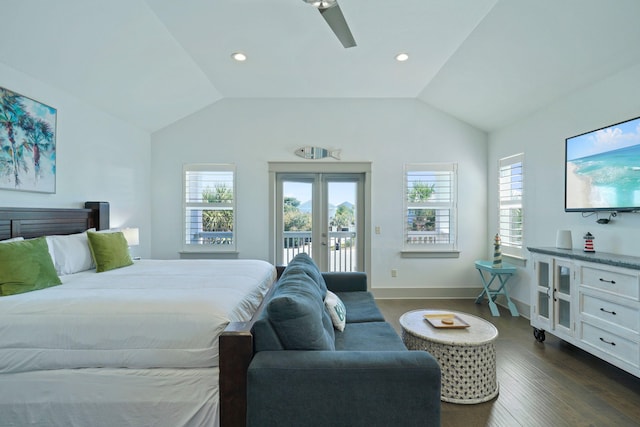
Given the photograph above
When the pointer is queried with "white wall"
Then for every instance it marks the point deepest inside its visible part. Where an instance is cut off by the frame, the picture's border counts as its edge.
(99, 158)
(388, 133)
(541, 137)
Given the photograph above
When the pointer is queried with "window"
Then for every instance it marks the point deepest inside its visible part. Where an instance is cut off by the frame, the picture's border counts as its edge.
(510, 193)
(209, 207)
(430, 207)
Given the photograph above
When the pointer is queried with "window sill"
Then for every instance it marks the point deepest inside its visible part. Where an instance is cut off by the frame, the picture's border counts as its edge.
(191, 251)
(430, 254)
(515, 260)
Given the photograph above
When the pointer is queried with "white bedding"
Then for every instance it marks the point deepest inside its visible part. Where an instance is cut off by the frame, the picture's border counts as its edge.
(153, 314)
(110, 398)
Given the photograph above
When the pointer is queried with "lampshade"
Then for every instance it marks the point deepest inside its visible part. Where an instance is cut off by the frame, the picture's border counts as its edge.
(132, 235)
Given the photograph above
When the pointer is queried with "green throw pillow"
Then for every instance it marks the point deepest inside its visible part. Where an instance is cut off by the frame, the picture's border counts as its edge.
(26, 266)
(109, 250)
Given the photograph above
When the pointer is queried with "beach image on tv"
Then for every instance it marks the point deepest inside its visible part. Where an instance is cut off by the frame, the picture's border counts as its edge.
(603, 168)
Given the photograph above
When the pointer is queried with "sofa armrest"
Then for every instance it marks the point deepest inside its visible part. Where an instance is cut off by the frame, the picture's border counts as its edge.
(345, 281)
(354, 388)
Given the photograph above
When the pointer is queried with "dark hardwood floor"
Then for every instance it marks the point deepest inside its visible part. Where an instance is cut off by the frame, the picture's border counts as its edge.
(550, 384)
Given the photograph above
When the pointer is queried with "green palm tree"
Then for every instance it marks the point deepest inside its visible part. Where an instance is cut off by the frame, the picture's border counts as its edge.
(38, 139)
(344, 217)
(217, 219)
(294, 219)
(11, 112)
(424, 219)
(420, 192)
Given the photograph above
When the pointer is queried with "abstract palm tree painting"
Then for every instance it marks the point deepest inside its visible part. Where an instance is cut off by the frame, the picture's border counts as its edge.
(27, 144)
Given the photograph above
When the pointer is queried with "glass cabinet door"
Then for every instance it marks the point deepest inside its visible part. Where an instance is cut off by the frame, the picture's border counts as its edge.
(552, 297)
(544, 289)
(542, 308)
(562, 295)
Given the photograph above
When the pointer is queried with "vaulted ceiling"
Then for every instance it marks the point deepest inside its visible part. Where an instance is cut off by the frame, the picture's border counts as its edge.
(153, 62)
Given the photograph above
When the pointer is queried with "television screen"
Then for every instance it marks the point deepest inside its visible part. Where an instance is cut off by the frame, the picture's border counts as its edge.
(602, 170)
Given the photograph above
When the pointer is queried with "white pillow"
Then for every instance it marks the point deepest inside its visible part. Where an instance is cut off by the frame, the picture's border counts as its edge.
(337, 310)
(52, 254)
(71, 253)
(13, 239)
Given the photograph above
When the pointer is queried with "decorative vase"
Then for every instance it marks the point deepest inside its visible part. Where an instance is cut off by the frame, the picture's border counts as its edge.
(563, 239)
(497, 255)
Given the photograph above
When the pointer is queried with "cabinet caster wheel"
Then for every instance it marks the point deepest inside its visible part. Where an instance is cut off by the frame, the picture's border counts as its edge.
(538, 334)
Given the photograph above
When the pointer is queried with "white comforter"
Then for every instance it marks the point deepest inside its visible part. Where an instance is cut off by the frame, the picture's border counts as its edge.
(153, 314)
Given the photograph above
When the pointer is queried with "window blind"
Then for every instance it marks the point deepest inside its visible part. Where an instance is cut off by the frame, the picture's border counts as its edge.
(209, 206)
(429, 198)
(510, 192)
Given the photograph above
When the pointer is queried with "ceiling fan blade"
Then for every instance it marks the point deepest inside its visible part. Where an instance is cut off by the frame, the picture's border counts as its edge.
(338, 24)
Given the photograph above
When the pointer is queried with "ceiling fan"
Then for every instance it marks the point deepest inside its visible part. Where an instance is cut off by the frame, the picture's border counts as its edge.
(330, 11)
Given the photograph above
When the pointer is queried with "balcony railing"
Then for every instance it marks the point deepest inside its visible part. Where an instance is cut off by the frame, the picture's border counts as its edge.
(212, 238)
(427, 237)
(342, 248)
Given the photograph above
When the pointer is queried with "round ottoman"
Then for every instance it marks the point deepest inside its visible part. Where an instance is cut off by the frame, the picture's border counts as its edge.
(464, 349)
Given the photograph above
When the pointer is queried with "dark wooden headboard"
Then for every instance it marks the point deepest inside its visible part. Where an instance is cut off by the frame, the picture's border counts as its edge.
(35, 222)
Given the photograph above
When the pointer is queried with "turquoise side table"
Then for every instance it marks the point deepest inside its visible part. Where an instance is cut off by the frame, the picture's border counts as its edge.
(488, 272)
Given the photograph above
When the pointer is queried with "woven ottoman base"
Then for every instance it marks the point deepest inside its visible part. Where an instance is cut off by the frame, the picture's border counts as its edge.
(467, 356)
(468, 372)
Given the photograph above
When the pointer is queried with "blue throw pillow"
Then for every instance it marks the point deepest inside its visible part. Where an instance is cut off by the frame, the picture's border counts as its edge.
(297, 314)
(304, 261)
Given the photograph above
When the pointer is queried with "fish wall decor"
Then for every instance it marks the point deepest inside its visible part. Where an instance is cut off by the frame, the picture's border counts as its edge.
(314, 153)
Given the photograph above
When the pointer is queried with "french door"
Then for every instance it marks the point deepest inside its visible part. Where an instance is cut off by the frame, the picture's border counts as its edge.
(322, 215)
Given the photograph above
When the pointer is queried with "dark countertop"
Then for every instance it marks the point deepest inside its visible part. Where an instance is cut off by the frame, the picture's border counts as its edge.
(597, 257)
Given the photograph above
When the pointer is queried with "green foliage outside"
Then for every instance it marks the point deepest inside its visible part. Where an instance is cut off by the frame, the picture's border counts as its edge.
(420, 192)
(294, 219)
(422, 219)
(344, 217)
(218, 219)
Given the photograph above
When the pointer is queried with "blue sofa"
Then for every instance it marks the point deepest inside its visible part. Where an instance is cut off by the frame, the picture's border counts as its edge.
(306, 373)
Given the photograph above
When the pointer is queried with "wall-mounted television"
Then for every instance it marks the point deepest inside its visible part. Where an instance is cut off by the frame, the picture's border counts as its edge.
(602, 169)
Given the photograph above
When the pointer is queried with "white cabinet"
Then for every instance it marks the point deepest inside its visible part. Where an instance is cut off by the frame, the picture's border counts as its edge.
(552, 308)
(591, 300)
(541, 311)
(610, 314)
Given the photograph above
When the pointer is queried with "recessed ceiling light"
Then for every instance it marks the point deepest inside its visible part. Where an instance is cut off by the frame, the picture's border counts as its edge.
(401, 57)
(239, 56)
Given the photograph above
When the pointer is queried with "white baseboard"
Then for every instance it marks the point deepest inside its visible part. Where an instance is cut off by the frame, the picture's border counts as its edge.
(444, 293)
(425, 293)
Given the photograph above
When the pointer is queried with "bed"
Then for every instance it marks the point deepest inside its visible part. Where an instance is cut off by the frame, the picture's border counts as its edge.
(137, 345)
